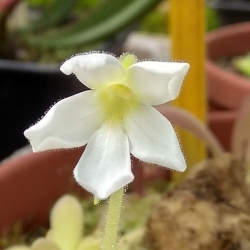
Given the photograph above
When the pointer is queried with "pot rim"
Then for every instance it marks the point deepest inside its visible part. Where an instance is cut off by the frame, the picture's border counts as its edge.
(32, 67)
(228, 31)
(225, 87)
(233, 5)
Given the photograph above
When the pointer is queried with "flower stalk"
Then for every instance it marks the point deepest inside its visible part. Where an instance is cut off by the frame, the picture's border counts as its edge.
(112, 220)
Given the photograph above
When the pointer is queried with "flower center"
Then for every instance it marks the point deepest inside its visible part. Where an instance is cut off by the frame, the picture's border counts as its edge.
(121, 91)
(116, 100)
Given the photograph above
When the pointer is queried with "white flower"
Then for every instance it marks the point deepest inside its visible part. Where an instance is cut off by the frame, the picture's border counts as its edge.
(115, 118)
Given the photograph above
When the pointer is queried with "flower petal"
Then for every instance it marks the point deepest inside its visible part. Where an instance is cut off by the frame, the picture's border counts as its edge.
(156, 82)
(42, 244)
(152, 139)
(105, 165)
(94, 69)
(68, 124)
(66, 221)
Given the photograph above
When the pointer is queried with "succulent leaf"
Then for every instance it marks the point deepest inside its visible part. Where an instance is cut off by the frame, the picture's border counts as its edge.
(110, 17)
(66, 220)
(52, 16)
(44, 244)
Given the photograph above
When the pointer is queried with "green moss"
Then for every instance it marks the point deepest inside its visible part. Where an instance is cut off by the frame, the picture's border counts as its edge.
(17, 236)
(92, 217)
(136, 211)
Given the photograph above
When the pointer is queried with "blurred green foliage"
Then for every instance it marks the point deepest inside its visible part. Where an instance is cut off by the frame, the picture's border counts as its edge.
(212, 19)
(84, 4)
(242, 64)
(156, 21)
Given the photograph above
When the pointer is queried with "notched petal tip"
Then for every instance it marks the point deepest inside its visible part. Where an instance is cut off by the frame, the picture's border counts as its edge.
(152, 139)
(67, 68)
(155, 83)
(26, 133)
(179, 71)
(181, 167)
(94, 69)
(106, 188)
(184, 66)
(68, 124)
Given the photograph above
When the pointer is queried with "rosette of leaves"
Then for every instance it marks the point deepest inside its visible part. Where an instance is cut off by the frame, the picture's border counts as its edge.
(54, 30)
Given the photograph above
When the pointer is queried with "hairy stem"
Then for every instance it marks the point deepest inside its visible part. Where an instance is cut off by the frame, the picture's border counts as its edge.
(112, 220)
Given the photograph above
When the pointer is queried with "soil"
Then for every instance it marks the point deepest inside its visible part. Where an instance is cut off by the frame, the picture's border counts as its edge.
(208, 211)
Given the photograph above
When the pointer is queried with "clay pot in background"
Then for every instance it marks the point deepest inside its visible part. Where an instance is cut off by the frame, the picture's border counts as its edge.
(31, 183)
(227, 88)
(221, 122)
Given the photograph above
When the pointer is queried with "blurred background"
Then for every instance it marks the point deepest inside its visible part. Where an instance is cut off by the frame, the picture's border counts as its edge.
(208, 210)
(36, 36)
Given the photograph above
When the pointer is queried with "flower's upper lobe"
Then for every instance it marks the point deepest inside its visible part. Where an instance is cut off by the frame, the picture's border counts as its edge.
(115, 118)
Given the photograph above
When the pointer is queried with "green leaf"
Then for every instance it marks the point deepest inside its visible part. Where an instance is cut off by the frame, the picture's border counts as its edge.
(67, 221)
(18, 248)
(44, 244)
(110, 17)
(57, 12)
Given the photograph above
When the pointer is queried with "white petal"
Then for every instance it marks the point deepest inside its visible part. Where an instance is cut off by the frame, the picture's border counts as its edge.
(105, 164)
(152, 139)
(66, 220)
(69, 123)
(94, 69)
(156, 82)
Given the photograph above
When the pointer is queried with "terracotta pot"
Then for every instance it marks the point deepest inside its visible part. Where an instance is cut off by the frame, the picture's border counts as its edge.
(221, 123)
(225, 87)
(30, 184)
